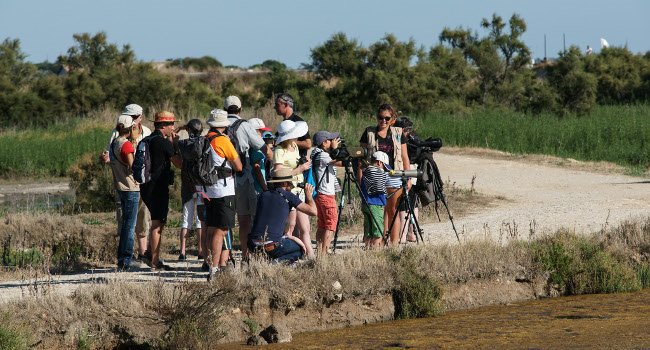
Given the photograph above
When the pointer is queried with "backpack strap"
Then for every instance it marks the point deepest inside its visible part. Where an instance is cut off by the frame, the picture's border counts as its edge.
(326, 173)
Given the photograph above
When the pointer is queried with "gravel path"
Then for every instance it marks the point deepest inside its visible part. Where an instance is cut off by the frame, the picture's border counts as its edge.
(540, 198)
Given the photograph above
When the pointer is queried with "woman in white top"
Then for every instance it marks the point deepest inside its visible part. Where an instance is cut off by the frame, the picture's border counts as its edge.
(286, 154)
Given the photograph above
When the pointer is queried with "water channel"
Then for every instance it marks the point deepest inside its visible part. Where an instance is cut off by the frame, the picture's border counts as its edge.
(606, 321)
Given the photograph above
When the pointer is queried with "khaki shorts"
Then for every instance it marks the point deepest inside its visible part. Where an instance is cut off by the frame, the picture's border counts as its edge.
(246, 199)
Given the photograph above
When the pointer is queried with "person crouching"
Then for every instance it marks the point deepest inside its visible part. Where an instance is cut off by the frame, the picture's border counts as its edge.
(273, 208)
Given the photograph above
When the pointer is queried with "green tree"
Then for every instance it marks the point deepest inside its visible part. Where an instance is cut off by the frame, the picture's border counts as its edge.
(619, 73)
(499, 58)
(576, 88)
(94, 52)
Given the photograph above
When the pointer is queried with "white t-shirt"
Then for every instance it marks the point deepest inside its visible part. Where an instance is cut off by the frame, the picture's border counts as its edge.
(324, 173)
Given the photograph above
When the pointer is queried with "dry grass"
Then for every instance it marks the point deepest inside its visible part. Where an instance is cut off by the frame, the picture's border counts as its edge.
(189, 314)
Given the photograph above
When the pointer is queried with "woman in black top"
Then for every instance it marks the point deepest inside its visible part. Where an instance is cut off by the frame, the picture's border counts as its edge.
(387, 138)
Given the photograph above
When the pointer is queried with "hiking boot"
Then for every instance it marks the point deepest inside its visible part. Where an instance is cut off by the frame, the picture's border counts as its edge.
(182, 257)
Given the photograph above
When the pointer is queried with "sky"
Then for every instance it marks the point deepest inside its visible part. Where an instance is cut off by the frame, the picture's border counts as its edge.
(247, 32)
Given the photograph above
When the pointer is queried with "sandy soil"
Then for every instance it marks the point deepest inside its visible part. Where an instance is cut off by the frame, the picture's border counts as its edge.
(542, 194)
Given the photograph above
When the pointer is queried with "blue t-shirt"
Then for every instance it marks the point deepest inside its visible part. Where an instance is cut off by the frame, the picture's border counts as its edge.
(273, 208)
(257, 157)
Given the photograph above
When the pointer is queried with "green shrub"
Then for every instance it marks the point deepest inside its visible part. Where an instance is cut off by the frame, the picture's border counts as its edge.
(416, 294)
(22, 258)
(580, 265)
(643, 274)
(12, 339)
(92, 183)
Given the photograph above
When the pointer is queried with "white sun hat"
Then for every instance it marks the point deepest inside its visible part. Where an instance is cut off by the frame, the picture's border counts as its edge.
(289, 129)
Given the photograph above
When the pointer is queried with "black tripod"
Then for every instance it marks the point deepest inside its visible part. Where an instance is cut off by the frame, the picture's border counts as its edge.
(410, 214)
(347, 180)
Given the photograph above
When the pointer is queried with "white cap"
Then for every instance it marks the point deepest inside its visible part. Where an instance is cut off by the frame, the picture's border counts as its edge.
(258, 124)
(231, 101)
(132, 109)
(125, 120)
(381, 156)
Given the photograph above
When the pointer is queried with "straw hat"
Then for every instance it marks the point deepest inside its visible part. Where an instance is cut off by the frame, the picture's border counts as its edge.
(281, 175)
(164, 116)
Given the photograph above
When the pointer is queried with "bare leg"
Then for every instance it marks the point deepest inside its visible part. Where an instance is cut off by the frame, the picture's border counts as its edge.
(244, 229)
(215, 237)
(304, 228)
(389, 213)
(291, 223)
(142, 244)
(156, 234)
(223, 259)
(324, 238)
(201, 240)
(183, 238)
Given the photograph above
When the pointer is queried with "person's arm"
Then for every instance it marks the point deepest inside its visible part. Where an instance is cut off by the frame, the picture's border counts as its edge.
(299, 242)
(177, 160)
(236, 164)
(301, 168)
(304, 144)
(257, 170)
(255, 141)
(308, 206)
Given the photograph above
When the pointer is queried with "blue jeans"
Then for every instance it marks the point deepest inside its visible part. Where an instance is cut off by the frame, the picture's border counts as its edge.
(287, 251)
(129, 204)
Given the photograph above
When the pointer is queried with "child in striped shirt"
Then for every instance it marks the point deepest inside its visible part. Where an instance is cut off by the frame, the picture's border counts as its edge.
(373, 188)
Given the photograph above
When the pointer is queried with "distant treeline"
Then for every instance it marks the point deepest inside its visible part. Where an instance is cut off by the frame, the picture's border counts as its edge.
(463, 72)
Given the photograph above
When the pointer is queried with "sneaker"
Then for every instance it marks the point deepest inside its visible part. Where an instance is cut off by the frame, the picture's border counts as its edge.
(162, 266)
(205, 267)
(182, 257)
(213, 272)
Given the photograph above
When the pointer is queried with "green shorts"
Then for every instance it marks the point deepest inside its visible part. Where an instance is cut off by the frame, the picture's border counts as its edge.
(373, 221)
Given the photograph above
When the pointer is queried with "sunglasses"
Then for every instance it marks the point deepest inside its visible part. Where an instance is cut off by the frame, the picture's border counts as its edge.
(384, 118)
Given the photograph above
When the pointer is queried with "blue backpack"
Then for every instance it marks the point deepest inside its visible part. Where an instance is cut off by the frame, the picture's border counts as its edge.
(142, 161)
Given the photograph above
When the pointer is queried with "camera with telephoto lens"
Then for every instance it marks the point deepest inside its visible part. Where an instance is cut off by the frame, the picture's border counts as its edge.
(342, 152)
(405, 173)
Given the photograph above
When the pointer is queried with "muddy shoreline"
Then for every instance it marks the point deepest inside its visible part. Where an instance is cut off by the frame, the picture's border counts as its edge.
(349, 312)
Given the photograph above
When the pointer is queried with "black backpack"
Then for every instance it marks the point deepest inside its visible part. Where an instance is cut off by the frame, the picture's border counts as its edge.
(198, 164)
(231, 131)
(142, 161)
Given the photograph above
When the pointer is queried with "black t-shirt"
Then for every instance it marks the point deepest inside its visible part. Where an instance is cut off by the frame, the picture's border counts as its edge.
(295, 118)
(161, 151)
(384, 144)
(273, 208)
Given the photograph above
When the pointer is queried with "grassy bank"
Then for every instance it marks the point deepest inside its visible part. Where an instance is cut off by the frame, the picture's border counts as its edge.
(194, 315)
(617, 134)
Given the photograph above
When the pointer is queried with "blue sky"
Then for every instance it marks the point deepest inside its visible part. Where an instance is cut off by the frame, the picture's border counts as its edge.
(246, 32)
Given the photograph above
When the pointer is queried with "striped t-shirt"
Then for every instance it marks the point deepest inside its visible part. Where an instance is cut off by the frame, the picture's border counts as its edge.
(375, 180)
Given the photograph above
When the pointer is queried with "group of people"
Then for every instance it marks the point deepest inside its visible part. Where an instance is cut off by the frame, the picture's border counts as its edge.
(270, 183)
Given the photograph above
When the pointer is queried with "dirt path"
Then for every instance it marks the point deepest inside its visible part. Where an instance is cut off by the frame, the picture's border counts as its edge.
(540, 198)
(537, 197)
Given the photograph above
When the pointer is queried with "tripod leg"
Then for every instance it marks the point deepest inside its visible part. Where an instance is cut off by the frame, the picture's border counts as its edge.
(346, 185)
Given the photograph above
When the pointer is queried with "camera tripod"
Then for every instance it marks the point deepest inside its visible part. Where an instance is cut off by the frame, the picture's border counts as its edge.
(347, 181)
(410, 215)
